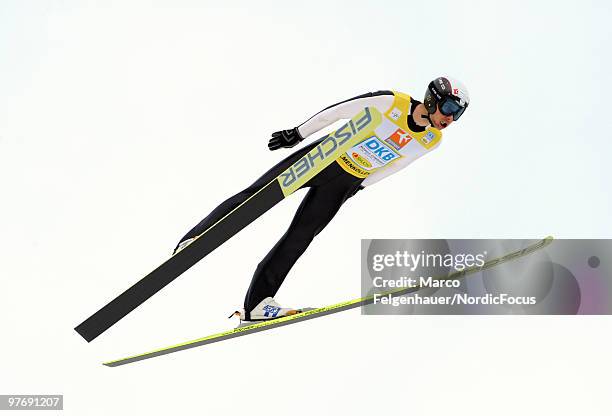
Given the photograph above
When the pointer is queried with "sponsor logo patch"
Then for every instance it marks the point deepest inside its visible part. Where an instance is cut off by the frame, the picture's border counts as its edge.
(360, 160)
(395, 114)
(377, 150)
(398, 139)
(428, 137)
(348, 165)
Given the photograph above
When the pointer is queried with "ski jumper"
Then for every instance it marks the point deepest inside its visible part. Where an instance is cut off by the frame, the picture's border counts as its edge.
(398, 143)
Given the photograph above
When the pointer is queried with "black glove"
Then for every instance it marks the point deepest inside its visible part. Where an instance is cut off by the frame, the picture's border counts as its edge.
(285, 138)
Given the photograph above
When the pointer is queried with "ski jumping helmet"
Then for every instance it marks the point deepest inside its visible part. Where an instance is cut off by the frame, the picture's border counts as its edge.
(447, 94)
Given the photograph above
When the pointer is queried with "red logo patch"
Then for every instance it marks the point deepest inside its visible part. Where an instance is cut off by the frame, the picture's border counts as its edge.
(400, 138)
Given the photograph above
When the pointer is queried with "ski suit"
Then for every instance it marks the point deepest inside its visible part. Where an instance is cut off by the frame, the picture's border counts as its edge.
(329, 189)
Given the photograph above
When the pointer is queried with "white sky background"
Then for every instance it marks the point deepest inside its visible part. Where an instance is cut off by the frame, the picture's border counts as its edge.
(123, 123)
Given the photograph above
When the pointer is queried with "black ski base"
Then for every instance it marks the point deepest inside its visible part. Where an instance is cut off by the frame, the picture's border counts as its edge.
(176, 265)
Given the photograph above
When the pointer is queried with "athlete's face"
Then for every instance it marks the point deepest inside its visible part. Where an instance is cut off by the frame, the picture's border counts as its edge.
(440, 121)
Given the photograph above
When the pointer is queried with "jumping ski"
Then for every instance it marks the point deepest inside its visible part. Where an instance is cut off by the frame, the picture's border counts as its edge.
(330, 148)
(317, 313)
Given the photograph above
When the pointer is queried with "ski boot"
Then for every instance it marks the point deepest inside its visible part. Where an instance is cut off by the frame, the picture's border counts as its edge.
(267, 310)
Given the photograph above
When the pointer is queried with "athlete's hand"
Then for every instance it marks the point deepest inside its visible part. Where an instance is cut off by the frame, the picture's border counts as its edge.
(285, 138)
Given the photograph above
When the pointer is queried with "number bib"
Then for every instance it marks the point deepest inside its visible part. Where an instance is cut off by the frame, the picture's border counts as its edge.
(391, 140)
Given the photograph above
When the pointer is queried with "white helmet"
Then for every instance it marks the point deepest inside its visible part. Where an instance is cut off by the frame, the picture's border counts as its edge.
(448, 95)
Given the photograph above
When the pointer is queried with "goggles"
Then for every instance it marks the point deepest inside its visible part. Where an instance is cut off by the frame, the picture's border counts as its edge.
(450, 107)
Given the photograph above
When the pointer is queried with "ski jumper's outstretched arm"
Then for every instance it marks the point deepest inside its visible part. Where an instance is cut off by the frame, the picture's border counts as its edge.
(346, 109)
(381, 100)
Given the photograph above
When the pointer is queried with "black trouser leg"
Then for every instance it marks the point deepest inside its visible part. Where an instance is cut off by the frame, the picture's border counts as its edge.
(329, 190)
(231, 203)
